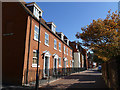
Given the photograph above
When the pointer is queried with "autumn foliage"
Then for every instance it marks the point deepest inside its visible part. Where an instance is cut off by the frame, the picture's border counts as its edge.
(102, 36)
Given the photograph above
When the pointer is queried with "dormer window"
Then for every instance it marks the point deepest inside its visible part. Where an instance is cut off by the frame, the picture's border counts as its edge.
(53, 29)
(35, 9)
(52, 26)
(36, 12)
(61, 35)
(67, 41)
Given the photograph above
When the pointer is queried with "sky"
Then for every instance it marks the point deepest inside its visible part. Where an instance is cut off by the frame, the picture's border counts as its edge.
(70, 17)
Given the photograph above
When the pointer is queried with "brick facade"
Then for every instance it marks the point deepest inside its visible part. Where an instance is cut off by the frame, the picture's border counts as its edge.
(19, 44)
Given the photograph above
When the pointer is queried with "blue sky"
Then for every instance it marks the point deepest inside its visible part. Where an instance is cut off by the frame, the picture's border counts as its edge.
(69, 17)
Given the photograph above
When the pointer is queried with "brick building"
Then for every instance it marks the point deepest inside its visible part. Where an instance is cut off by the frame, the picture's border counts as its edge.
(24, 32)
(91, 63)
(21, 25)
(79, 55)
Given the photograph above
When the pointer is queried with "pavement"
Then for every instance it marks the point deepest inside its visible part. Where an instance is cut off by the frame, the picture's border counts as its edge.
(89, 79)
(85, 80)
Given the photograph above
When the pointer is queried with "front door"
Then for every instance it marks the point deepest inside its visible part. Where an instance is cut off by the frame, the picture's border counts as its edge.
(55, 66)
(46, 65)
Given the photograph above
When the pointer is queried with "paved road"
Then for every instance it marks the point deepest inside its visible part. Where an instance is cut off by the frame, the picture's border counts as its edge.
(85, 79)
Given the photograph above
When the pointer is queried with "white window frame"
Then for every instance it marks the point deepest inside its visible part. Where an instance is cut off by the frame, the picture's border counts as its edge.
(36, 33)
(53, 29)
(36, 12)
(59, 46)
(67, 51)
(54, 44)
(33, 64)
(47, 44)
(64, 49)
(59, 60)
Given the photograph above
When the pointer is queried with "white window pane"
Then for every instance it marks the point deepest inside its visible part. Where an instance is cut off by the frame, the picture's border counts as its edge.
(55, 43)
(46, 38)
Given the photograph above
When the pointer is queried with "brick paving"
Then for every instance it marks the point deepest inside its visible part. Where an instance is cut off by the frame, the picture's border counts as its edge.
(85, 79)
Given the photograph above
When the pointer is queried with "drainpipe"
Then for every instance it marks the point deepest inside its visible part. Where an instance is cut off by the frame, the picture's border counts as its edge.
(28, 51)
(37, 76)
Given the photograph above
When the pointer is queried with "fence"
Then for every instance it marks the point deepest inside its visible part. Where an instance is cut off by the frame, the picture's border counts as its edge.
(111, 73)
(47, 75)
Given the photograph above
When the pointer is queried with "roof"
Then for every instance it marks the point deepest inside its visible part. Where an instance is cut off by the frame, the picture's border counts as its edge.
(33, 4)
(43, 22)
(80, 49)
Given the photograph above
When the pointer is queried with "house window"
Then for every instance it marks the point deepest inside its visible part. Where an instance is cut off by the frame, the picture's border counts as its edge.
(34, 57)
(36, 32)
(55, 44)
(36, 12)
(59, 61)
(64, 49)
(59, 46)
(53, 28)
(70, 53)
(46, 39)
(67, 51)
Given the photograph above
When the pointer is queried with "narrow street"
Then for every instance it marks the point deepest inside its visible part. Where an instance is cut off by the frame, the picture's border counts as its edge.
(85, 79)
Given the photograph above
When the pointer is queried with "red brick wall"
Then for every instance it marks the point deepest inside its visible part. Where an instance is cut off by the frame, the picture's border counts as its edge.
(43, 47)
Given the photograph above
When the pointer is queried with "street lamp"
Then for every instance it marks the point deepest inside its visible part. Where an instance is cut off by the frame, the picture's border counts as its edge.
(37, 77)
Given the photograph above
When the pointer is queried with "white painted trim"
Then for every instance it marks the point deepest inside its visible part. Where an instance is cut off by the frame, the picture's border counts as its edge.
(52, 24)
(34, 50)
(35, 65)
(48, 62)
(36, 40)
(65, 59)
(55, 48)
(55, 56)
(64, 50)
(59, 50)
(56, 44)
(35, 57)
(47, 44)
(59, 46)
(60, 66)
(38, 8)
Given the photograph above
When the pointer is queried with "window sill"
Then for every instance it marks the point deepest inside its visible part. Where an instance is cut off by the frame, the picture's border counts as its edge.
(35, 65)
(60, 66)
(47, 45)
(55, 48)
(36, 40)
(59, 50)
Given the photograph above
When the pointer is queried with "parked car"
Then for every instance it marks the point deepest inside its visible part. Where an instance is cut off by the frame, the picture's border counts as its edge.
(99, 68)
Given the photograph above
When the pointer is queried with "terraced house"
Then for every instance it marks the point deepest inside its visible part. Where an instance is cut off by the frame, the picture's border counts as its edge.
(29, 42)
(24, 33)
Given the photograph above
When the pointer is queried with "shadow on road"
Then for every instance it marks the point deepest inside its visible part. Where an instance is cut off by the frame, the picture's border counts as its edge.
(88, 79)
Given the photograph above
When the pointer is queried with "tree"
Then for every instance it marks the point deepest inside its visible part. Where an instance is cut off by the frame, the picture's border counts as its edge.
(102, 36)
